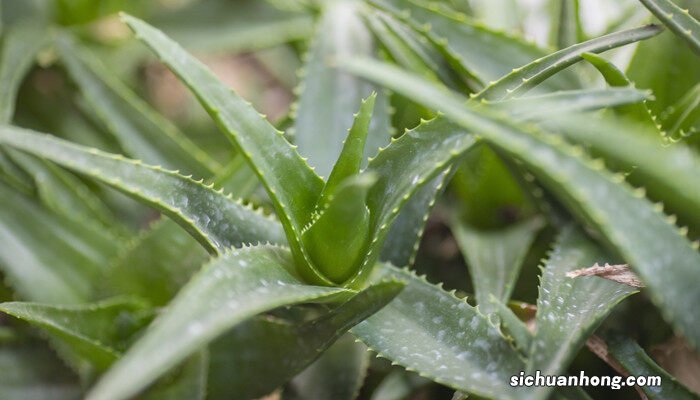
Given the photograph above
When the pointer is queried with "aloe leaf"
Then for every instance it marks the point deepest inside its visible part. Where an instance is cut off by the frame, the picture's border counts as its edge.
(338, 253)
(139, 129)
(528, 76)
(656, 249)
(65, 194)
(512, 326)
(95, 333)
(270, 350)
(669, 81)
(321, 117)
(569, 309)
(293, 187)
(479, 52)
(337, 375)
(233, 288)
(31, 371)
(626, 353)
(211, 217)
(683, 117)
(20, 44)
(439, 336)
(397, 386)
(495, 257)
(676, 19)
(223, 27)
(570, 101)
(64, 267)
(402, 168)
(403, 238)
(352, 154)
(669, 173)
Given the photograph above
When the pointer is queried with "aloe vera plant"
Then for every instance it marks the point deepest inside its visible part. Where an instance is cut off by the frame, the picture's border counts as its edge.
(195, 248)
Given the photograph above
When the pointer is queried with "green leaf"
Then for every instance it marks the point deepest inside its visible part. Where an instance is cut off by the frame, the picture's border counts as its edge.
(139, 129)
(669, 173)
(327, 93)
(479, 52)
(678, 20)
(339, 253)
(402, 168)
(47, 257)
(668, 80)
(31, 371)
(293, 187)
(397, 386)
(270, 349)
(495, 257)
(222, 26)
(569, 309)
(20, 44)
(439, 336)
(567, 29)
(211, 217)
(93, 333)
(237, 286)
(528, 76)
(628, 354)
(570, 101)
(351, 156)
(683, 117)
(631, 225)
(337, 375)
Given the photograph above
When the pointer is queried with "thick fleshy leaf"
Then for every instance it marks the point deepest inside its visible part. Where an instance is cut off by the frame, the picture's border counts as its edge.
(676, 19)
(31, 371)
(569, 309)
(93, 333)
(214, 219)
(655, 248)
(567, 29)
(439, 336)
(683, 117)
(271, 351)
(237, 286)
(478, 51)
(293, 187)
(20, 44)
(528, 76)
(625, 352)
(541, 107)
(669, 173)
(188, 381)
(398, 385)
(402, 168)
(668, 80)
(495, 257)
(47, 257)
(337, 375)
(140, 130)
(321, 116)
(232, 27)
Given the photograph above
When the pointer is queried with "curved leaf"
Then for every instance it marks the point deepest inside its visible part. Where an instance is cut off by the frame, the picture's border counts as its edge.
(528, 76)
(676, 19)
(569, 309)
(140, 130)
(293, 187)
(655, 248)
(270, 349)
(213, 218)
(233, 288)
(327, 93)
(495, 257)
(432, 332)
(96, 333)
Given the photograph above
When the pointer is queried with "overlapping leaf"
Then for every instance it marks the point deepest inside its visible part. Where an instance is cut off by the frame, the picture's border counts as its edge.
(214, 219)
(655, 248)
(678, 20)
